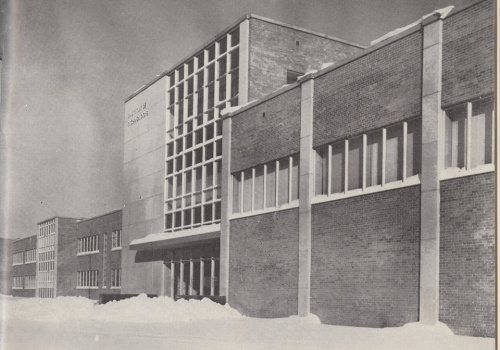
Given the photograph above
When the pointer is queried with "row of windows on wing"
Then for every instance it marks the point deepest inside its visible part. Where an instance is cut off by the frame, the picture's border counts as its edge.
(90, 278)
(90, 244)
(26, 257)
(381, 157)
(24, 282)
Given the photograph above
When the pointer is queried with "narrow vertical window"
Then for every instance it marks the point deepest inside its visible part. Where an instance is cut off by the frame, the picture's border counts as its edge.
(271, 185)
(394, 154)
(337, 168)
(482, 133)
(321, 184)
(413, 147)
(456, 137)
(283, 181)
(374, 159)
(355, 157)
(259, 188)
(247, 190)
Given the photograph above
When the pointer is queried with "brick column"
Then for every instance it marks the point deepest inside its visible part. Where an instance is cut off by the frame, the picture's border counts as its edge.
(431, 164)
(226, 196)
(306, 189)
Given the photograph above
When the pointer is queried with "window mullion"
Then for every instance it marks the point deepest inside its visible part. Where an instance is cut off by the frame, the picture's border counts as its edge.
(290, 165)
(384, 141)
(363, 169)
(346, 166)
(329, 171)
(277, 183)
(405, 148)
(468, 142)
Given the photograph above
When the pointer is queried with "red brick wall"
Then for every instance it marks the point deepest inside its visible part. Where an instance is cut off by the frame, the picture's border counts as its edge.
(257, 139)
(263, 264)
(376, 90)
(467, 255)
(68, 263)
(22, 245)
(274, 49)
(365, 259)
(468, 53)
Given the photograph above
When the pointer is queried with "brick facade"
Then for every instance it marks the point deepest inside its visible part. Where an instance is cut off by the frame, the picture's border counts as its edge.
(18, 246)
(365, 259)
(467, 255)
(263, 264)
(270, 130)
(370, 92)
(68, 263)
(468, 54)
(274, 49)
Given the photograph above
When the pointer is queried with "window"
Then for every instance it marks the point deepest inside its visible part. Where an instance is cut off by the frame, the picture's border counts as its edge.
(469, 134)
(30, 256)
(88, 245)
(87, 279)
(116, 278)
(29, 282)
(373, 159)
(270, 185)
(292, 76)
(17, 258)
(17, 283)
(116, 239)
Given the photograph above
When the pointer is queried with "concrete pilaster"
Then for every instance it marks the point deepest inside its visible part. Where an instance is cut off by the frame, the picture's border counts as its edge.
(243, 63)
(431, 164)
(306, 190)
(226, 200)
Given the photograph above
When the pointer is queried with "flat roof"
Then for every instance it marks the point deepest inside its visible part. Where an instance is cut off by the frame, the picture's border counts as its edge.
(224, 32)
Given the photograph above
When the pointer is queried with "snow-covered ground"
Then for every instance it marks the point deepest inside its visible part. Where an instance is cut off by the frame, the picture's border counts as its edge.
(161, 323)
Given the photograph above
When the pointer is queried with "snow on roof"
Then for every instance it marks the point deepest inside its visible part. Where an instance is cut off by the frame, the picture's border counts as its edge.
(441, 12)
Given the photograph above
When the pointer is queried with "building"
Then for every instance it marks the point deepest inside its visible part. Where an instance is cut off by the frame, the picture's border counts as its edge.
(362, 193)
(173, 164)
(23, 272)
(69, 257)
(5, 265)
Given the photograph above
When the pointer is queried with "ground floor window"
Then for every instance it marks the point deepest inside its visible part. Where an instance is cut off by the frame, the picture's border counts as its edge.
(87, 279)
(116, 278)
(29, 282)
(194, 271)
(17, 283)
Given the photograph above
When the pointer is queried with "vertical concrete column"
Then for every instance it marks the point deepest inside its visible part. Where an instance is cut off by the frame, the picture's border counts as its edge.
(226, 195)
(306, 189)
(431, 164)
(243, 63)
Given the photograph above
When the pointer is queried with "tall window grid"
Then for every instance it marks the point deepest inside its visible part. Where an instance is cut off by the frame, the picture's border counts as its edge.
(116, 239)
(30, 256)
(87, 279)
(469, 138)
(89, 244)
(377, 158)
(269, 185)
(116, 278)
(17, 258)
(198, 90)
(46, 259)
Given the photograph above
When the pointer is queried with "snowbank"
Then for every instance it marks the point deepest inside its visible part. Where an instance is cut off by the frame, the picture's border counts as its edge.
(140, 309)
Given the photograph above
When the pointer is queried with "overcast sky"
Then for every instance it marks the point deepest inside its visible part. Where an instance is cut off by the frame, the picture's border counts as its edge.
(68, 65)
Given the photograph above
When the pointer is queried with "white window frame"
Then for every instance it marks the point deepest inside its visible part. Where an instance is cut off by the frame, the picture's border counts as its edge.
(116, 240)
(17, 282)
(467, 170)
(30, 256)
(405, 181)
(29, 282)
(87, 279)
(18, 258)
(116, 278)
(88, 245)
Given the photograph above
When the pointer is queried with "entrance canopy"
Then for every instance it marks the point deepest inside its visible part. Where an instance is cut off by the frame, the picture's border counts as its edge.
(176, 239)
